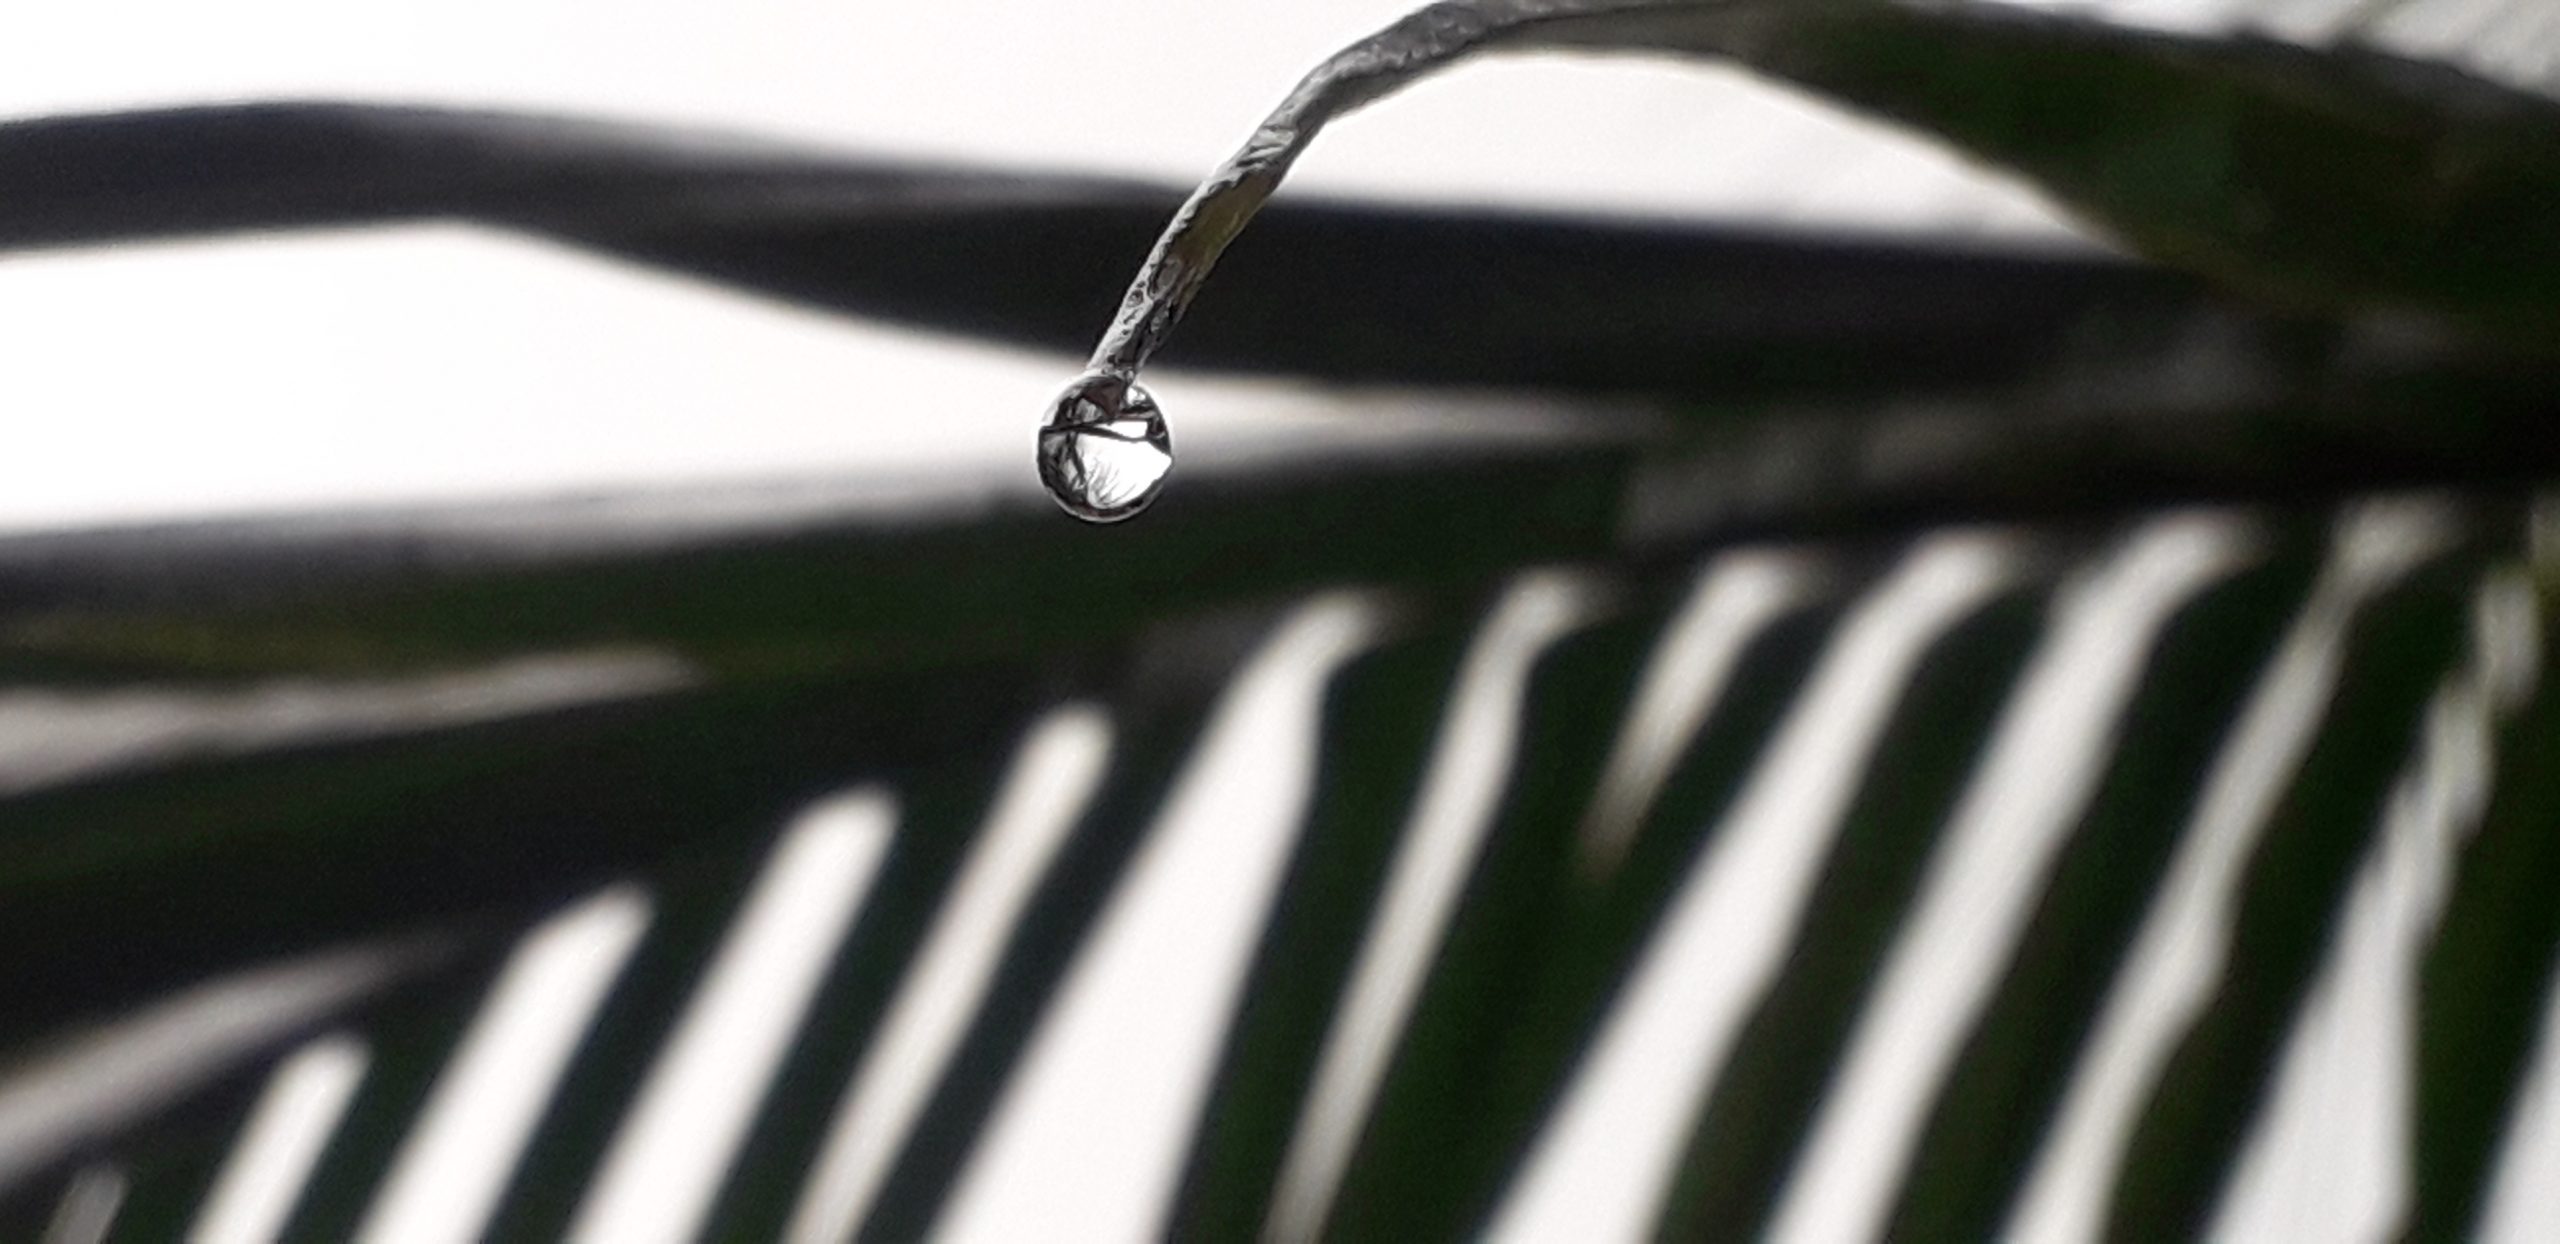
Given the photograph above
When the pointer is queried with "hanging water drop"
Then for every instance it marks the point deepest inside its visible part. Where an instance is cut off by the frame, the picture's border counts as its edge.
(1105, 452)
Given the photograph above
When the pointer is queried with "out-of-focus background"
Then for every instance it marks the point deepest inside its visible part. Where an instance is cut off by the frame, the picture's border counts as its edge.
(440, 362)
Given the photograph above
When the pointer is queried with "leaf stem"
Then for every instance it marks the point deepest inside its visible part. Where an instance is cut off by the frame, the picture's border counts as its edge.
(1421, 42)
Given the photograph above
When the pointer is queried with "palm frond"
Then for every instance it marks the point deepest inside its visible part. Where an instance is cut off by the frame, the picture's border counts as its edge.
(2003, 743)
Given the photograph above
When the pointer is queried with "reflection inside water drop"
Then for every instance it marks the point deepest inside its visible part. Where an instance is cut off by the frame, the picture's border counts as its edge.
(1104, 452)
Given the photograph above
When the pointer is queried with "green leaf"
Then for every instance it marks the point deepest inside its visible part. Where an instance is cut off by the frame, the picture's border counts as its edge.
(2343, 181)
(797, 656)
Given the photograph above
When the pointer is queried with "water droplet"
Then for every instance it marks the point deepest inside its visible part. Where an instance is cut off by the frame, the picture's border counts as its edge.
(1104, 452)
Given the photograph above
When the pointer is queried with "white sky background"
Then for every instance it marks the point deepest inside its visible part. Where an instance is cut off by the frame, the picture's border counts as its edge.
(442, 362)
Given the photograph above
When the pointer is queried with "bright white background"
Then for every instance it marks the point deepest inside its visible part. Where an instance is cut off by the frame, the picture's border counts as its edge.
(439, 363)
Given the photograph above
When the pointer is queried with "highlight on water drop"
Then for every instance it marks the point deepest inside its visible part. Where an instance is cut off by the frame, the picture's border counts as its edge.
(1105, 450)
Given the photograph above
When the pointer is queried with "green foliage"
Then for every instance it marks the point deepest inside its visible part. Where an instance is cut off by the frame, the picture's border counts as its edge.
(2325, 184)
